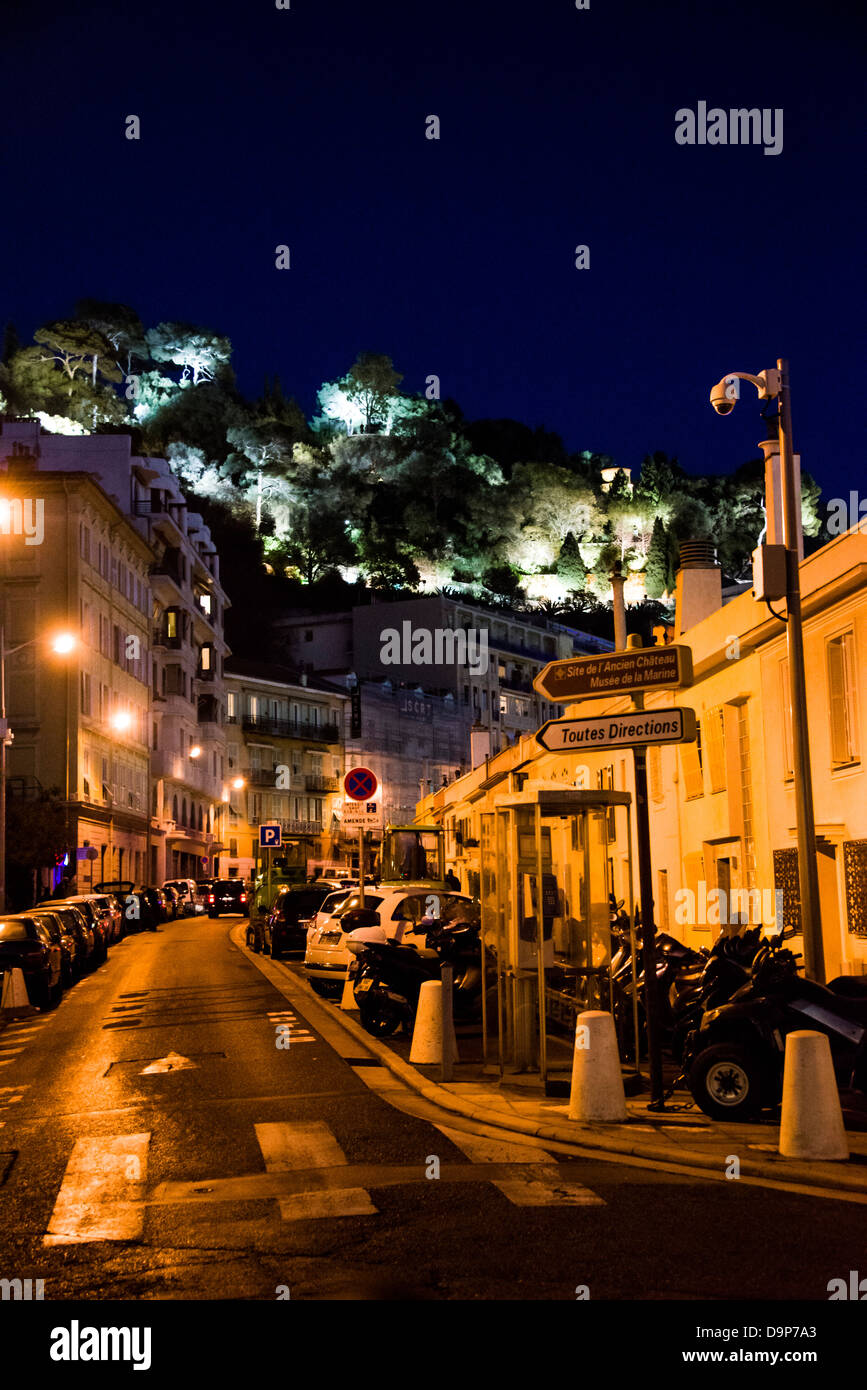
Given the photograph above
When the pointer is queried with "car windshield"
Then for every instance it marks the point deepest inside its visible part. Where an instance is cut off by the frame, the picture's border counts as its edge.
(333, 901)
(354, 901)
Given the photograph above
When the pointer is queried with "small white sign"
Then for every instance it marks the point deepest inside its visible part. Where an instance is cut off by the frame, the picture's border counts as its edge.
(362, 815)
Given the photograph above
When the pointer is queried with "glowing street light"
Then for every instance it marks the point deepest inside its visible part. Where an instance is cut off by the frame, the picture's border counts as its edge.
(64, 643)
(195, 751)
(121, 720)
(238, 783)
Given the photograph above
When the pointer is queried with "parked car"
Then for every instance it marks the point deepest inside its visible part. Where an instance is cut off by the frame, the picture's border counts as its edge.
(58, 928)
(173, 901)
(228, 895)
(107, 902)
(285, 927)
(26, 945)
(76, 923)
(190, 899)
(401, 916)
(329, 909)
(98, 920)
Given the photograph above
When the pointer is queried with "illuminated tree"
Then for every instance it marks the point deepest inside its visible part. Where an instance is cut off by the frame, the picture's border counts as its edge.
(570, 564)
(366, 398)
(658, 578)
(119, 325)
(198, 350)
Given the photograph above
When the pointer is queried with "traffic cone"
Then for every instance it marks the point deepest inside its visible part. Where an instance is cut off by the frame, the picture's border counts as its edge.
(14, 997)
(811, 1123)
(597, 1093)
(427, 1034)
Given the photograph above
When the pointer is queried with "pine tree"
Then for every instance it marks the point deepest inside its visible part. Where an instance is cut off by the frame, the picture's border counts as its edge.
(570, 565)
(656, 573)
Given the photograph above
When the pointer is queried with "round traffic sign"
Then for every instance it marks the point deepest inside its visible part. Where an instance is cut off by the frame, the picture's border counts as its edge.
(360, 784)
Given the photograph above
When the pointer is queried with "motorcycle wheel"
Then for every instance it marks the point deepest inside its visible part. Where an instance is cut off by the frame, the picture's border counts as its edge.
(727, 1083)
(379, 1020)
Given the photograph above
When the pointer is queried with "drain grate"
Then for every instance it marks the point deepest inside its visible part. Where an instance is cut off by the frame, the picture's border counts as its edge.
(363, 1061)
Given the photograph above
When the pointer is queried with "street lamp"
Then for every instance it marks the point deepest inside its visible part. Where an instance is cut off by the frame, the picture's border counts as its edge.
(774, 384)
(62, 644)
(195, 751)
(121, 720)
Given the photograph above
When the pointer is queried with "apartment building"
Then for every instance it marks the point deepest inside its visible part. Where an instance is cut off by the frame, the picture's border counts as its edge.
(722, 809)
(79, 720)
(484, 660)
(284, 763)
(183, 641)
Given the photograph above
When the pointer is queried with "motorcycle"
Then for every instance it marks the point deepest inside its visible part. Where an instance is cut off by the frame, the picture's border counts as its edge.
(733, 1060)
(389, 976)
(726, 969)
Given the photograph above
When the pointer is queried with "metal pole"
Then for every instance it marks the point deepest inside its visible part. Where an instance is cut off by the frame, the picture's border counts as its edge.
(361, 866)
(808, 874)
(447, 1061)
(2, 768)
(648, 930)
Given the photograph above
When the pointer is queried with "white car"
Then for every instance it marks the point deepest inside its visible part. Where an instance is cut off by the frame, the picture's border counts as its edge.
(189, 902)
(329, 909)
(401, 913)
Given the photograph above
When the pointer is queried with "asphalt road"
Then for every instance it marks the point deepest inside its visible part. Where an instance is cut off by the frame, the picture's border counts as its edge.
(236, 1167)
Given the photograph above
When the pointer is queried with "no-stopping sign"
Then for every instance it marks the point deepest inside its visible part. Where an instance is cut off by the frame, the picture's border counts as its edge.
(360, 784)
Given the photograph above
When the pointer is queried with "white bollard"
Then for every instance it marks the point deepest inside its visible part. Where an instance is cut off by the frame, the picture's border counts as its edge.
(427, 1035)
(811, 1123)
(597, 1082)
(347, 998)
(14, 994)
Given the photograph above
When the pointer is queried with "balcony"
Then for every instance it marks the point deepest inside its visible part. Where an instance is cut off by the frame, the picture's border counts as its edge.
(290, 827)
(287, 728)
(260, 776)
(161, 638)
(315, 783)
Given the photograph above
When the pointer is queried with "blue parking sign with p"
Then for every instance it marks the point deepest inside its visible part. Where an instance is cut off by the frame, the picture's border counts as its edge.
(269, 836)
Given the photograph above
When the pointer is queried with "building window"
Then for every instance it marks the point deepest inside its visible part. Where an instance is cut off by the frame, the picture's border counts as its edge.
(84, 542)
(786, 706)
(716, 749)
(231, 706)
(85, 693)
(654, 772)
(692, 776)
(308, 634)
(841, 699)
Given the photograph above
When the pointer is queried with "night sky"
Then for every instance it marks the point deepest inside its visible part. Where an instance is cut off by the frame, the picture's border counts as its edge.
(456, 257)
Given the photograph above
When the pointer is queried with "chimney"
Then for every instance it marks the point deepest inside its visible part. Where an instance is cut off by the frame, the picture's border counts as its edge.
(698, 590)
(480, 744)
(776, 533)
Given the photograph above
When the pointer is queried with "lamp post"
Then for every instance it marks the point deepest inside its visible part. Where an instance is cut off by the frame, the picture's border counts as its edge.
(62, 645)
(774, 384)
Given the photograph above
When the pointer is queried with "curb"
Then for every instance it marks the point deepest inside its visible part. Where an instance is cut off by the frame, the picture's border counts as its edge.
(783, 1171)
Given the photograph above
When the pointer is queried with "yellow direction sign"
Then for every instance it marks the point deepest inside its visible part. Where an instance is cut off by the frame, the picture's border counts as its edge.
(615, 673)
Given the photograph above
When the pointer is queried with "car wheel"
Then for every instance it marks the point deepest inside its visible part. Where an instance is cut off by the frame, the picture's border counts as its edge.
(319, 987)
(728, 1083)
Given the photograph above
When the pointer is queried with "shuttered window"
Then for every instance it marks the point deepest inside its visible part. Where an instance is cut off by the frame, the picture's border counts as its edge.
(714, 740)
(841, 698)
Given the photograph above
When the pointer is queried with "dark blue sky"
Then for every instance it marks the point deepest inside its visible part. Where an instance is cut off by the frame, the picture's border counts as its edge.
(456, 257)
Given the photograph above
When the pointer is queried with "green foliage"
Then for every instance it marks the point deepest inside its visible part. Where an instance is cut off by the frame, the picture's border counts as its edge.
(657, 576)
(570, 565)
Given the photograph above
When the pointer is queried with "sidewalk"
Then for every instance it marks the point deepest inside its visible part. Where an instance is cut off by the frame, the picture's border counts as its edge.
(681, 1135)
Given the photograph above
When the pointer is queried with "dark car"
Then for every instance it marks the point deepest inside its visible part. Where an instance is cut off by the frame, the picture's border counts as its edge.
(99, 922)
(76, 923)
(228, 895)
(71, 949)
(26, 945)
(286, 927)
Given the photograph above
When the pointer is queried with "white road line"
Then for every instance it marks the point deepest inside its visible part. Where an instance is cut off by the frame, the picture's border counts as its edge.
(10, 1051)
(101, 1196)
(539, 1185)
(286, 1146)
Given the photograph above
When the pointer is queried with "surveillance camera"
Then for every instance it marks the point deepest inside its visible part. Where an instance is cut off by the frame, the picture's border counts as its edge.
(725, 394)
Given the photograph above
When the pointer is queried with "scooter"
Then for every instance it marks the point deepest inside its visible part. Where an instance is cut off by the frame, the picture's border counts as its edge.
(733, 1060)
(390, 975)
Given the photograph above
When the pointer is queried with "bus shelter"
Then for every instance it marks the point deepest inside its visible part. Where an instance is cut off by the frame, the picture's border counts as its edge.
(549, 859)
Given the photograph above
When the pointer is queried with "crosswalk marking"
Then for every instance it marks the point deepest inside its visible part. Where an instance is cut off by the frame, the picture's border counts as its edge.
(286, 1146)
(539, 1182)
(298, 1032)
(101, 1195)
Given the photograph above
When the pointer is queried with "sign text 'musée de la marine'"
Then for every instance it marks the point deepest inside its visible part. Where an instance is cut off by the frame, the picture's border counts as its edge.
(642, 668)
